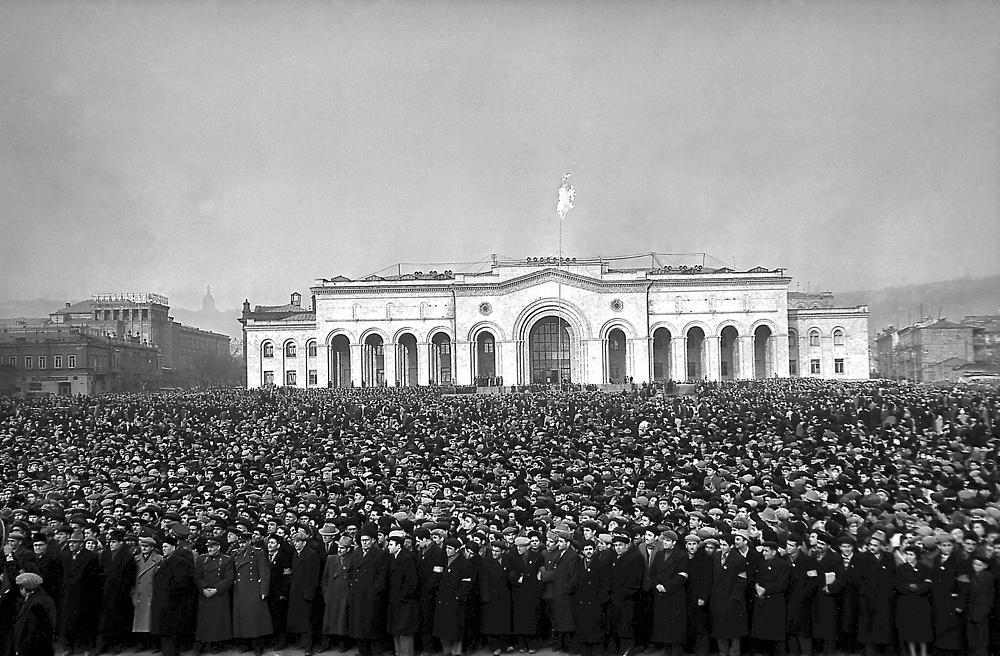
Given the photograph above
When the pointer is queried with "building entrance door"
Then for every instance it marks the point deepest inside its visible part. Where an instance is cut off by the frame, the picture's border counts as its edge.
(549, 351)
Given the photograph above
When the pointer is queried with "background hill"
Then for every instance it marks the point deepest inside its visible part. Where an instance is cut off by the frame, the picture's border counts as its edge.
(901, 306)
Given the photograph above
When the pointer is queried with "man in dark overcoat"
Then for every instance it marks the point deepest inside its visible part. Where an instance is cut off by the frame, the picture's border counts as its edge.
(173, 609)
(81, 595)
(251, 618)
(303, 585)
(16, 559)
(118, 565)
(876, 602)
(770, 590)
(336, 587)
(668, 578)
(727, 605)
(369, 575)
(457, 583)
(982, 596)
(523, 568)
(279, 563)
(590, 600)
(627, 572)
(949, 589)
(494, 593)
(214, 575)
(403, 617)
(49, 562)
(562, 571)
(832, 577)
(35, 623)
(431, 561)
(803, 582)
(699, 587)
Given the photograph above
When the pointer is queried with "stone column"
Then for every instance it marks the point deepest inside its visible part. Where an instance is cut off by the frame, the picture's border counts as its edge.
(642, 351)
(389, 362)
(461, 367)
(357, 372)
(713, 357)
(423, 363)
(678, 358)
(746, 356)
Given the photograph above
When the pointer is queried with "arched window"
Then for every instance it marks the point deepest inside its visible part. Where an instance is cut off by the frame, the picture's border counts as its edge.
(793, 340)
(311, 349)
(268, 350)
(813, 337)
(290, 350)
(838, 337)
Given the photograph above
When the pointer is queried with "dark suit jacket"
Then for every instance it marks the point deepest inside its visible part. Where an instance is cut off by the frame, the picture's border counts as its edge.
(35, 626)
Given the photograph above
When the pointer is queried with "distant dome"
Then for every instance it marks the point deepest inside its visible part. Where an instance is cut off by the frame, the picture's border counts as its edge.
(208, 303)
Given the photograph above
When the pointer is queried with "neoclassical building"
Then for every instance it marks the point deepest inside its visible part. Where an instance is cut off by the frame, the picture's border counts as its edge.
(545, 319)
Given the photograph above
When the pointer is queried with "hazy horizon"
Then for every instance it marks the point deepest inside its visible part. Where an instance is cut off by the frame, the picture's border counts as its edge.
(256, 146)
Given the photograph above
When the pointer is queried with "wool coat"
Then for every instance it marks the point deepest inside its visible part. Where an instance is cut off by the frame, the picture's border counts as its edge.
(81, 595)
(699, 588)
(430, 566)
(336, 587)
(727, 606)
(914, 615)
(832, 579)
(590, 600)
(803, 582)
(174, 608)
(403, 617)
(627, 572)
(457, 582)
(877, 600)
(562, 571)
(368, 575)
(252, 585)
(525, 590)
(948, 597)
(35, 626)
(142, 591)
(119, 579)
(669, 570)
(280, 565)
(494, 593)
(215, 616)
(769, 607)
(303, 584)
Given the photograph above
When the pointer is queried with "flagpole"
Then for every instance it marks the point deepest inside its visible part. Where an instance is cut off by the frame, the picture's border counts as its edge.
(565, 204)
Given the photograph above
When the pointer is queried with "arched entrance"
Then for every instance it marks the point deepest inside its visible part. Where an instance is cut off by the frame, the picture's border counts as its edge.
(762, 356)
(615, 353)
(340, 361)
(729, 357)
(549, 351)
(695, 353)
(661, 354)
(486, 359)
(441, 359)
(406, 360)
(372, 362)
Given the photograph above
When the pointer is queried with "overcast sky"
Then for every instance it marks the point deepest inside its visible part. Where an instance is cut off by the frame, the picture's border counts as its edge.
(255, 146)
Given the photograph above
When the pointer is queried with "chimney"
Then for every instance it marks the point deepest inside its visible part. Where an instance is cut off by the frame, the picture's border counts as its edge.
(68, 304)
(296, 299)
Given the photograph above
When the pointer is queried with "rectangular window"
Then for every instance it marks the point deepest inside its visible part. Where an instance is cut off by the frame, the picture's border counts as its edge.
(838, 366)
(487, 347)
(29, 362)
(793, 367)
(114, 315)
(107, 315)
(289, 378)
(312, 351)
(145, 314)
(12, 361)
(814, 366)
(57, 361)
(269, 378)
(42, 362)
(97, 315)
(71, 362)
(313, 378)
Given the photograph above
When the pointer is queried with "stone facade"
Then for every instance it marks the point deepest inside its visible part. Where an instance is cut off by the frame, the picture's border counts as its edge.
(544, 320)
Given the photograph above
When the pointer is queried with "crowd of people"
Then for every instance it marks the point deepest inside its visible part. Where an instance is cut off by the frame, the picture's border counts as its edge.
(753, 517)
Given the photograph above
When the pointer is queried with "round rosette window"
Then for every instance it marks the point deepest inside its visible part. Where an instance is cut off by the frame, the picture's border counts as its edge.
(617, 305)
(485, 308)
